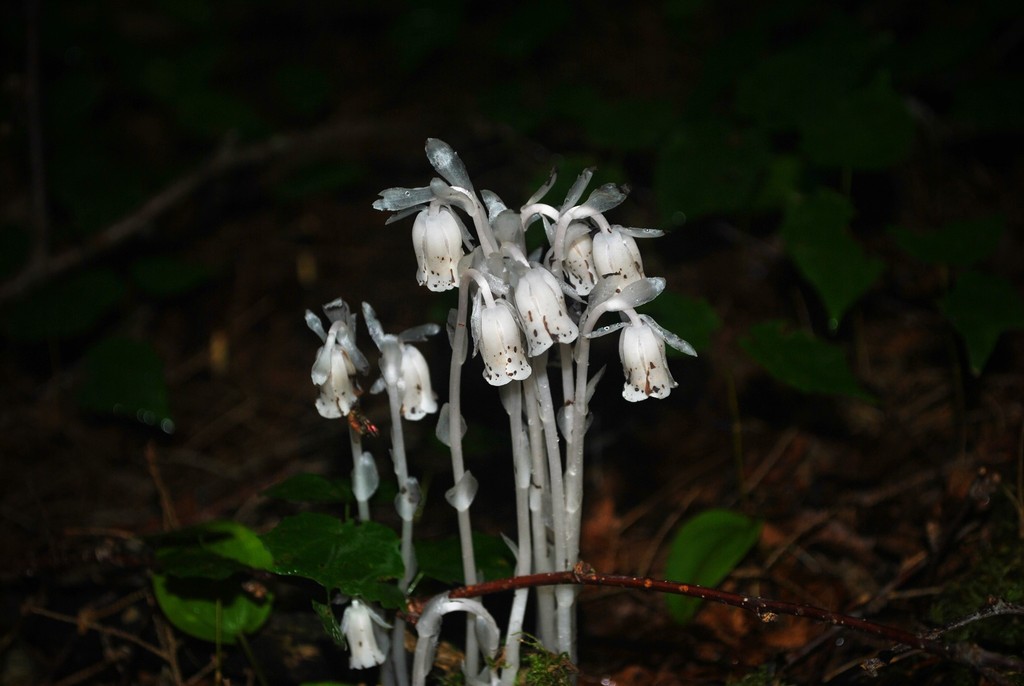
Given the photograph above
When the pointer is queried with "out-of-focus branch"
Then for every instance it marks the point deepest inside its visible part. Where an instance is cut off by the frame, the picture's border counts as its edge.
(229, 158)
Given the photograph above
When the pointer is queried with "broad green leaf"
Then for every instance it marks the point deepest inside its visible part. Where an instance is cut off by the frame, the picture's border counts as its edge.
(442, 559)
(692, 319)
(709, 168)
(66, 308)
(311, 488)
(960, 243)
(126, 377)
(214, 550)
(197, 565)
(982, 307)
(167, 276)
(704, 551)
(331, 626)
(781, 183)
(191, 606)
(866, 128)
(356, 558)
(802, 361)
(814, 231)
(783, 89)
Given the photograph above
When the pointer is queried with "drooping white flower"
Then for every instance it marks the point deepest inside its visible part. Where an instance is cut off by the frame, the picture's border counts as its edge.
(616, 254)
(358, 625)
(403, 367)
(644, 363)
(437, 241)
(579, 258)
(541, 306)
(500, 342)
(333, 371)
(418, 397)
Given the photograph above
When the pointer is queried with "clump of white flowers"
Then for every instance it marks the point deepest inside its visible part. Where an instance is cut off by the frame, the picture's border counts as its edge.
(529, 315)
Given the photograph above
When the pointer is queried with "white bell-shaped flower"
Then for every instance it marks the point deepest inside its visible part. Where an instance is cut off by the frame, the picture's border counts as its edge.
(333, 372)
(359, 626)
(541, 306)
(500, 343)
(418, 398)
(437, 240)
(579, 258)
(616, 254)
(644, 363)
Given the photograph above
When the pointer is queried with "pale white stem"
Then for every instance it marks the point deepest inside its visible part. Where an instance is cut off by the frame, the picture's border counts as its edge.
(459, 345)
(539, 491)
(355, 441)
(521, 460)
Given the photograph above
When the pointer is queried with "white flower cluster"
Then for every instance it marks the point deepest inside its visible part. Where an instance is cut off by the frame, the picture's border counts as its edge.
(523, 304)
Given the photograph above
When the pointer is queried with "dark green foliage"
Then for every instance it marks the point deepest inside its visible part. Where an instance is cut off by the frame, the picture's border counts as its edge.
(704, 550)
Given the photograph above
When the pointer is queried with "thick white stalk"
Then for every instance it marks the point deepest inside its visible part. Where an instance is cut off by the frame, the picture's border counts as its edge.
(539, 492)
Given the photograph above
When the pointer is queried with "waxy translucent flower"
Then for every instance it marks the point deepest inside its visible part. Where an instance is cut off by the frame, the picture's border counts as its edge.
(403, 367)
(418, 397)
(437, 240)
(616, 254)
(334, 369)
(542, 309)
(579, 258)
(500, 342)
(359, 626)
(642, 351)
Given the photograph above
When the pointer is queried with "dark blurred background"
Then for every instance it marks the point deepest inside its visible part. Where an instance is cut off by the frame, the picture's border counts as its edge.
(180, 180)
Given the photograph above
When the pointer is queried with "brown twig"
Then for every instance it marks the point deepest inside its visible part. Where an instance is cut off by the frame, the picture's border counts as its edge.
(766, 610)
(94, 626)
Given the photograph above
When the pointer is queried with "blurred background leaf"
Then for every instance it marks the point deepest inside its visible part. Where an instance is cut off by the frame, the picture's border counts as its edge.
(982, 307)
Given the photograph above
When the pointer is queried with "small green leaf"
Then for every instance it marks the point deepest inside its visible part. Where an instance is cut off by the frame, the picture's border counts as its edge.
(197, 565)
(330, 623)
(982, 307)
(191, 606)
(126, 377)
(441, 559)
(709, 168)
(866, 128)
(802, 361)
(214, 550)
(816, 238)
(355, 558)
(692, 319)
(66, 308)
(705, 549)
(311, 488)
(959, 244)
(166, 276)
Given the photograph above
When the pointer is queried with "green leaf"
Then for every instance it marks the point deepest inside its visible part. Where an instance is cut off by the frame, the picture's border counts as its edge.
(311, 488)
(802, 361)
(66, 308)
(815, 234)
(705, 549)
(330, 623)
(709, 168)
(191, 606)
(355, 558)
(441, 559)
(126, 377)
(166, 276)
(959, 244)
(866, 128)
(197, 566)
(982, 307)
(214, 550)
(692, 319)
(783, 89)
